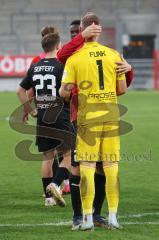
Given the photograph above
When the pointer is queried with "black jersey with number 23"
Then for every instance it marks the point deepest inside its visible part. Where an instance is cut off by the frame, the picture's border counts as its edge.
(45, 79)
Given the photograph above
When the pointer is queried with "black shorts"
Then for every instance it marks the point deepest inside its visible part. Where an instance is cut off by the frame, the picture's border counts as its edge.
(51, 135)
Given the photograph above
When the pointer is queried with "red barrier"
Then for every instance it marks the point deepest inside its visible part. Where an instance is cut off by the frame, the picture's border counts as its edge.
(156, 70)
(14, 66)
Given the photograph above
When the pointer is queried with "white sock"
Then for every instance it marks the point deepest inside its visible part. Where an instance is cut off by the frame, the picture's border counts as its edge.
(89, 218)
(66, 182)
(112, 219)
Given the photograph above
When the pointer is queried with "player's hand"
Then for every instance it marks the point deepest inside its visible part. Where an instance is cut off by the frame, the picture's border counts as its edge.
(34, 113)
(25, 117)
(123, 66)
(92, 31)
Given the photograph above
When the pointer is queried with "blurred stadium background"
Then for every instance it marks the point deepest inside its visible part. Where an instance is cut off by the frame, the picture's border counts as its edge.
(130, 26)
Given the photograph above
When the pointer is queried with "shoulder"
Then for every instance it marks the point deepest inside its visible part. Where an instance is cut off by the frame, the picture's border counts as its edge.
(71, 59)
(58, 63)
(38, 63)
(35, 60)
(76, 56)
(112, 51)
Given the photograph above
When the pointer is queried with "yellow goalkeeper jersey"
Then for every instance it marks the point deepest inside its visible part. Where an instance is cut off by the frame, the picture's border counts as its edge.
(92, 68)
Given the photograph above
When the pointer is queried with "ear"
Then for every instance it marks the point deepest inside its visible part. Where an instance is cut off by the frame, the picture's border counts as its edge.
(80, 28)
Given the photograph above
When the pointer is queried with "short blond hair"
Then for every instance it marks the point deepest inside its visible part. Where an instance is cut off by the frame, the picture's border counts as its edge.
(89, 18)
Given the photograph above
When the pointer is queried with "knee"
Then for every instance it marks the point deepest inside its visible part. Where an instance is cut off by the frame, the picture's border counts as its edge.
(110, 164)
(75, 171)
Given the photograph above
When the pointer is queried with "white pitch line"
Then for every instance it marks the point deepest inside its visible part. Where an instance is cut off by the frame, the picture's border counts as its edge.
(36, 224)
(140, 223)
(68, 224)
(139, 215)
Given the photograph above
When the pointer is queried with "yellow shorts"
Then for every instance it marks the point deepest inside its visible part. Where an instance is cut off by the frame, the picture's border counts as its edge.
(97, 142)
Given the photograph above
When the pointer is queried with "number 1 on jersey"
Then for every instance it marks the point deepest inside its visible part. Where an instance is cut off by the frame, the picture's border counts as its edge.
(100, 73)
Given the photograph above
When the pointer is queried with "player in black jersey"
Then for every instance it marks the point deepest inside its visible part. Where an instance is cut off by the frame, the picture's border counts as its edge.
(53, 120)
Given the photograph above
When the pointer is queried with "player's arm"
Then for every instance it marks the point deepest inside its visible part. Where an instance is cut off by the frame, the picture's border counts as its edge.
(24, 86)
(124, 67)
(22, 95)
(68, 81)
(121, 87)
(129, 76)
(69, 48)
(66, 90)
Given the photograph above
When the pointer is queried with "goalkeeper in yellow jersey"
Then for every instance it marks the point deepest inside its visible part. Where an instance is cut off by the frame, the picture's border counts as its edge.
(92, 71)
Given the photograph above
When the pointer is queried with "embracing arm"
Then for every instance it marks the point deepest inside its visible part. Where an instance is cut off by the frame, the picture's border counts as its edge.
(77, 42)
(69, 48)
(124, 67)
(129, 77)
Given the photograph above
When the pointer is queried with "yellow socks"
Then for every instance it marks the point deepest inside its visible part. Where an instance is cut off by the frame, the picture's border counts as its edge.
(112, 186)
(87, 188)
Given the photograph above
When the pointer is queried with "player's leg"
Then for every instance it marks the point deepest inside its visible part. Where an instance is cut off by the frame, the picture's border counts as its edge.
(110, 149)
(87, 170)
(55, 164)
(75, 187)
(62, 173)
(87, 149)
(47, 147)
(63, 170)
(66, 163)
(63, 125)
(100, 180)
(66, 189)
(111, 170)
(75, 195)
(58, 159)
(47, 174)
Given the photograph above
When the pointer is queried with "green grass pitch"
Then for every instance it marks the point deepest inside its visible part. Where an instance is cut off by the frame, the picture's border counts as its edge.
(21, 204)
